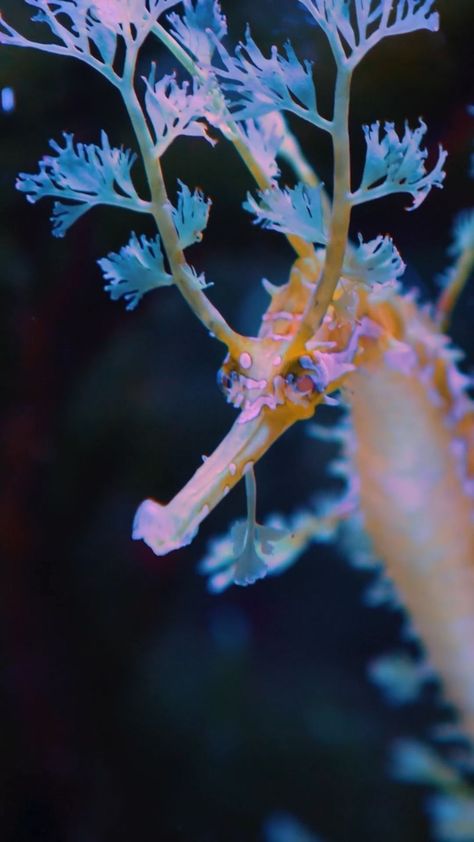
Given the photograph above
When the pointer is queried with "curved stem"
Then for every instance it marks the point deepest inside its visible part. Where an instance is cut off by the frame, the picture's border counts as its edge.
(458, 277)
(251, 494)
(320, 299)
(209, 315)
(230, 129)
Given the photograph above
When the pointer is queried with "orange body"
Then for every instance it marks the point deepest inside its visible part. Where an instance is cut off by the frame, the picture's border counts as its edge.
(414, 457)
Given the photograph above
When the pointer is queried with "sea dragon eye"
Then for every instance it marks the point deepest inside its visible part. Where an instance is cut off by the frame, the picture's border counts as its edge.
(302, 382)
(227, 378)
(305, 383)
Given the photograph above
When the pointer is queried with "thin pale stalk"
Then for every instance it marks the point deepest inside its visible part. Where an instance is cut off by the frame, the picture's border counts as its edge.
(230, 129)
(320, 300)
(459, 275)
(209, 315)
(251, 494)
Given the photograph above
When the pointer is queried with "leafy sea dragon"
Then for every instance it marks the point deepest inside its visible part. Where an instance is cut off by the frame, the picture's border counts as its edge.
(410, 452)
(340, 323)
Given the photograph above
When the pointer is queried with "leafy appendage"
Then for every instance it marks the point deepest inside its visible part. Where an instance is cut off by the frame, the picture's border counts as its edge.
(190, 216)
(283, 827)
(463, 233)
(451, 809)
(264, 138)
(293, 210)
(452, 815)
(276, 545)
(90, 29)
(85, 174)
(242, 557)
(198, 281)
(192, 28)
(454, 278)
(399, 676)
(132, 19)
(396, 164)
(136, 269)
(353, 27)
(259, 85)
(173, 111)
(417, 762)
(375, 262)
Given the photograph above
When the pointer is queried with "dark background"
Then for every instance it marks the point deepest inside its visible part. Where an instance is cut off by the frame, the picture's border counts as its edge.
(134, 705)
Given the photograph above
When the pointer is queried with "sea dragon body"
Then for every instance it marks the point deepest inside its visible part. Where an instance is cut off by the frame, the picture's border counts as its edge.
(413, 456)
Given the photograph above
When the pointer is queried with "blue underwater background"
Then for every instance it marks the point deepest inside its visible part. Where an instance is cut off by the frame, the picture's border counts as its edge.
(134, 705)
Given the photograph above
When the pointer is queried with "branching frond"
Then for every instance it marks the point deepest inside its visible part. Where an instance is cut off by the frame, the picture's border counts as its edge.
(136, 269)
(242, 557)
(396, 164)
(463, 233)
(277, 545)
(375, 262)
(293, 210)
(192, 28)
(173, 111)
(85, 174)
(417, 762)
(264, 137)
(191, 215)
(454, 279)
(353, 27)
(196, 280)
(399, 676)
(259, 85)
(90, 29)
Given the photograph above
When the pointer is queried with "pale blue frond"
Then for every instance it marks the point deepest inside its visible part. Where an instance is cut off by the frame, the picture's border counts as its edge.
(191, 215)
(264, 138)
(243, 556)
(103, 26)
(218, 563)
(297, 533)
(136, 269)
(375, 262)
(85, 169)
(64, 216)
(197, 280)
(192, 28)
(132, 19)
(250, 549)
(396, 164)
(415, 762)
(353, 27)
(234, 559)
(65, 20)
(90, 29)
(282, 827)
(174, 111)
(463, 233)
(249, 564)
(259, 85)
(452, 815)
(83, 173)
(399, 676)
(293, 210)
